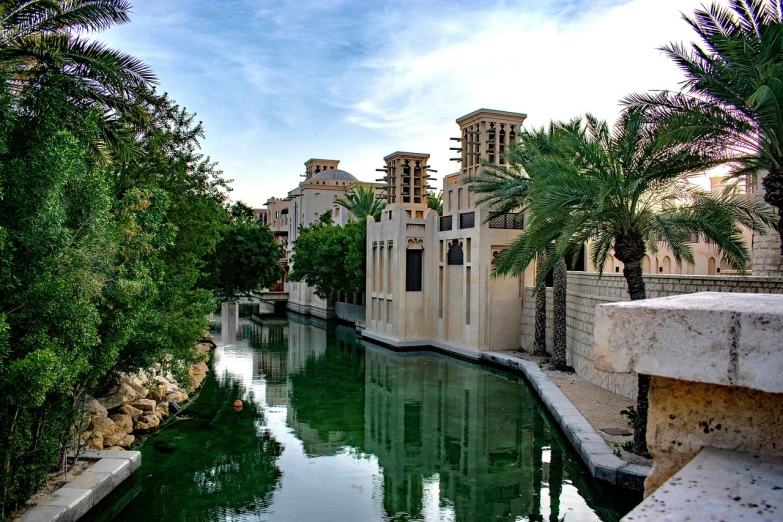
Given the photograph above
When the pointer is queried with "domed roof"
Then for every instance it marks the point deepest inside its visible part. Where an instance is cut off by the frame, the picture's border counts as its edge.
(333, 174)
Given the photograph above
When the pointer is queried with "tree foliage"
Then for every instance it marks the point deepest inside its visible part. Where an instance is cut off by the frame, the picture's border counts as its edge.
(107, 259)
(626, 190)
(246, 259)
(435, 201)
(362, 202)
(731, 103)
(330, 258)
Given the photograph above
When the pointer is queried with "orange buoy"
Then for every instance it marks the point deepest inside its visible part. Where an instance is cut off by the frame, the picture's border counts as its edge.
(237, 405)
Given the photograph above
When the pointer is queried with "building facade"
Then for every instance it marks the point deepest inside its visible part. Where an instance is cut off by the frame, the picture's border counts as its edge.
(428, 276)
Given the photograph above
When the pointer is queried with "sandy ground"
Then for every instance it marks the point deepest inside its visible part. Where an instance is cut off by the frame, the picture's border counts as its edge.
(54, 482)
(601, 408)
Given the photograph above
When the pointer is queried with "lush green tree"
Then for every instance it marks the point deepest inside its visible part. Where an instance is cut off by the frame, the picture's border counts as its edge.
(362, 202)
(106, 261)
(174, 200)
(41, 36)
(731, 104)
(56, 214)
(246, 259)
(330, 258)
(626, 191)
(435, 201)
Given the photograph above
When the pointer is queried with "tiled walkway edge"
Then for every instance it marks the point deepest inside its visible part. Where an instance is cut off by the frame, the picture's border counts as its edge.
(74, 499)
(593, 449)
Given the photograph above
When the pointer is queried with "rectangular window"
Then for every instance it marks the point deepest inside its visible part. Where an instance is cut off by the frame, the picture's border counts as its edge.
(468, 289)
(413, 270)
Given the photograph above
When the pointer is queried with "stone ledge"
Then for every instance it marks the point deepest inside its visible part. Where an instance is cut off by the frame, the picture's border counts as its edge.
(73, 500)
(592, 448)
(718, 485)
(730, 339)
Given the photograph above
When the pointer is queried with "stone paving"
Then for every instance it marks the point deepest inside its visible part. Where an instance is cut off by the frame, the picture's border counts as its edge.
(74, 499)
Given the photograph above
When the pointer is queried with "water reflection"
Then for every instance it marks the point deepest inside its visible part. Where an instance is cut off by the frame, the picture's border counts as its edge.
(334, 429)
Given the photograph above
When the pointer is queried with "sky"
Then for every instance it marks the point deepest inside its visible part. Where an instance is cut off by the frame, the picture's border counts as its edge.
(278, 82)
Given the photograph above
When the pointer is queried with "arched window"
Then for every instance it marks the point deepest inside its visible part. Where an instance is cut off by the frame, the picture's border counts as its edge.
(711, 266)
(646, 264)
(667, 265)
(455, 255)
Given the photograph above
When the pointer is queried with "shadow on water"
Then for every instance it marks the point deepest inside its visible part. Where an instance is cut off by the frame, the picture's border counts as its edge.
(336, 429)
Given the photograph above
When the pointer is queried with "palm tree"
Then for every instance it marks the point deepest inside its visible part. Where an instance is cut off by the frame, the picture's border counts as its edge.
(732, 100)
(39, 37)
(362, 202)
(625, 191)
(435, 201)
(505, 189)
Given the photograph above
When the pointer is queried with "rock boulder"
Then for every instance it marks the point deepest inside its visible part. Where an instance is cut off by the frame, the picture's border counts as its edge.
(144, 404)
(103, 425)
(124, 423)
(148, 421)
(122, 394)
(135, 413)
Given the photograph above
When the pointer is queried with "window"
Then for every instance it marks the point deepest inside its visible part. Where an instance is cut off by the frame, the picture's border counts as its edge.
(455, 255)
(413, 270)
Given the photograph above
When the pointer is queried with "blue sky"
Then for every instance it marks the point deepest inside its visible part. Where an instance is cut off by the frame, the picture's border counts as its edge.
(278, 82)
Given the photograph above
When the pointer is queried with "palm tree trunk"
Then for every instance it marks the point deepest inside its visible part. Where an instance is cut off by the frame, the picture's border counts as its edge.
(559, 320)
(633, 276)
(539, 343)
(773, 194)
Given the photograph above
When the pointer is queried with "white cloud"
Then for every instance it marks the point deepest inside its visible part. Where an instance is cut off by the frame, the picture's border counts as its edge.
(514, 60)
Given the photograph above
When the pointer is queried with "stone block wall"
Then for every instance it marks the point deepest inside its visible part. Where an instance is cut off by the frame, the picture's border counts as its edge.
(529, 319)
(767, 261)
(586, 290)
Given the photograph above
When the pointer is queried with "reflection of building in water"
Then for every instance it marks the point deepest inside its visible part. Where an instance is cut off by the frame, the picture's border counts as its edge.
(301, 376)
(475, 430)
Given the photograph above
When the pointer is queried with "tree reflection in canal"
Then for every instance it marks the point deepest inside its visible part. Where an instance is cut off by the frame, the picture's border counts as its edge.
(343, 430)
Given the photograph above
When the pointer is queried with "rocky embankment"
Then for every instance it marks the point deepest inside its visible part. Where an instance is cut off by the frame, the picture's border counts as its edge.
(138, 404)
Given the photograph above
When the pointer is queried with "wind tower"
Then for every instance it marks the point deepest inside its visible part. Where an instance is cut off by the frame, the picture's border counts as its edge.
(406, 181)
(314, 166)
(486, 134)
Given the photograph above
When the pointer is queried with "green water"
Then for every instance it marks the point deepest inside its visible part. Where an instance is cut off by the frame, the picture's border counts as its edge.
(336, 430)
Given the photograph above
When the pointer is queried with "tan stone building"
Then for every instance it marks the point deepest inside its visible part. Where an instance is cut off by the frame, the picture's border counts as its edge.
(428, 276)
(317, 194)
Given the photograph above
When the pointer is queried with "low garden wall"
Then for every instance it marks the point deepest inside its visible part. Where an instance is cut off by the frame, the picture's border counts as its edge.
(586, 290)
(351, 313)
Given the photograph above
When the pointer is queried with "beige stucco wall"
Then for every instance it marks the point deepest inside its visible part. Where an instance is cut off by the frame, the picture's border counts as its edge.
(586, 290)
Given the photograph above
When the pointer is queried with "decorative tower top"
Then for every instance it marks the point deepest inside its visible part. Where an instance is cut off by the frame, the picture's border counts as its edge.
(313, 166)
(485, 134)
(406, 176)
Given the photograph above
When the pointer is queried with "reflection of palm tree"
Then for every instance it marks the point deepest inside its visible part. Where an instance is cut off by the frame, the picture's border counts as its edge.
(538, 466)
(555, 481)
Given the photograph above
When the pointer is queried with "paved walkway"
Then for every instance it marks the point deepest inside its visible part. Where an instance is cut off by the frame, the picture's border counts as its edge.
(600, 407)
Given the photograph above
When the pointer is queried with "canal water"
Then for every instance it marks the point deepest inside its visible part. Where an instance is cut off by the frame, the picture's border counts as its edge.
(334, 429)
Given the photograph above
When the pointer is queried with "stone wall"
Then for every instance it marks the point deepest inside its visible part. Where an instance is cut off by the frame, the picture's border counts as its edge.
(529, 319)
(767, 261)
(586, 290)
(351, 313)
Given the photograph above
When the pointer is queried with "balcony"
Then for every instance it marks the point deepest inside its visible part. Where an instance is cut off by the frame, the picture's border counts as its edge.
(508, 221)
